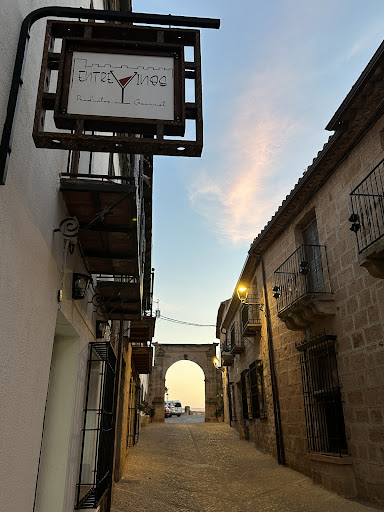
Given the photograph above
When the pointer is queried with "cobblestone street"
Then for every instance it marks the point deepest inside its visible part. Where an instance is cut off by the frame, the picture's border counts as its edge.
(204, 467)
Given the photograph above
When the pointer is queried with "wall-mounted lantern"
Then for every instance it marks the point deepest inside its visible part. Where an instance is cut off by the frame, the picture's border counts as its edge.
(101, 328)
(250, 299)
(304, 268)
(80, 283)
(242, 293)
(354, 218)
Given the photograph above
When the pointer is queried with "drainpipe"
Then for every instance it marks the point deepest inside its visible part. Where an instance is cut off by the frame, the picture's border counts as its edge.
(275, 391)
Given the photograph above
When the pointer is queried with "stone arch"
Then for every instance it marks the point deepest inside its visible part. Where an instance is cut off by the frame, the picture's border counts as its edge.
(165, 355)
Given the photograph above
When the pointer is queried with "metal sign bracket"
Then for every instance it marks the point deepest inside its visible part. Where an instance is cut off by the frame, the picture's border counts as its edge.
(73, 13)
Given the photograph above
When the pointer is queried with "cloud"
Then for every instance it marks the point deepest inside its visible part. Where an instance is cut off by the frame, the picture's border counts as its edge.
(244, 190)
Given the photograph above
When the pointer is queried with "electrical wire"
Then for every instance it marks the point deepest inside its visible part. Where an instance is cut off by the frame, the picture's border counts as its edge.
(167, 319)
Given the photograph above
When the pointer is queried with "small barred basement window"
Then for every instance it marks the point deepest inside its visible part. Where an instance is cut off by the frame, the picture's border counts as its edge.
(322, 395)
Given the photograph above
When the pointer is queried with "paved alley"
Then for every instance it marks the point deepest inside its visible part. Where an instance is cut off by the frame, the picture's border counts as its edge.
(199, 467)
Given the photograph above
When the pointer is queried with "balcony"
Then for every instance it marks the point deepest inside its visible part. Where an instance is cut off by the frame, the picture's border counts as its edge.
(142, 354)
(142, 331)
(108, 218)
(302, 288)
(368, 220)
(226, 357)
(236, 342)
(120, 297)
(114, 213)
(250, 319)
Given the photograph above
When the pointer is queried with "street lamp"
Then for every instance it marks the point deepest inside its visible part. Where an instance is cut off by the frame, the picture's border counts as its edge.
(80, 284)
(242, 293)
(101, 328)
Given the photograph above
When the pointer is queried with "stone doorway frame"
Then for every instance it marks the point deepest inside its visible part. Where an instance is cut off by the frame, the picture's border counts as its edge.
(165, 355)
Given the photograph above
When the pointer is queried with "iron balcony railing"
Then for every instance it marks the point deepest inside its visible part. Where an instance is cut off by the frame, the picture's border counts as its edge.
(304, 272)
(226, 347)
(250, 316)
(368, 208)
(234, 340)
(226, 354)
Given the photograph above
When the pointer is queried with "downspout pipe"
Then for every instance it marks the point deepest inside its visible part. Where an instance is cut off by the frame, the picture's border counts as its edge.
(275, 392)
(73, 13)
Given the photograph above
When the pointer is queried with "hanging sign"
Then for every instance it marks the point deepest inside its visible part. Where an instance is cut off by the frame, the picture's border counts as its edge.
(120, 89)
(118, 85)
(115, 84)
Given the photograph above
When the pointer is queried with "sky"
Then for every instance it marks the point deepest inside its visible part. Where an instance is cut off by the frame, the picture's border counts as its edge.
(273, 76)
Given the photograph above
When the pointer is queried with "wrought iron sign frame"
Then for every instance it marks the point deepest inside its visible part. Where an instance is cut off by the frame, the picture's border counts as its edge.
(126, 135)
(75, 13)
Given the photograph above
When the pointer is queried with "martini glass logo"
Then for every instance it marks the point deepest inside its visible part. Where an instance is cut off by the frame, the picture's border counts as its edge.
(123, 82)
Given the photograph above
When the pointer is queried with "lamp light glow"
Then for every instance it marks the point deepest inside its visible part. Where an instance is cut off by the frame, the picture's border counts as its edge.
(242, 293)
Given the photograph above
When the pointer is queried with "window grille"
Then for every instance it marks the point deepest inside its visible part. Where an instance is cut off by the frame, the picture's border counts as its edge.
(244, 393)
(98, 427)
(134, 413)
(322, 395)
(232, 402)
(256, 386)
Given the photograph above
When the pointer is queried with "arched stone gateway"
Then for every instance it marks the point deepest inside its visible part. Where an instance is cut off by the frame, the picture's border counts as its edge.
(166, 355)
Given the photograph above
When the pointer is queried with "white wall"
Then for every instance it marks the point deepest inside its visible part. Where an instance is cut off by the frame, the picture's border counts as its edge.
(31, 272)
(51, 490)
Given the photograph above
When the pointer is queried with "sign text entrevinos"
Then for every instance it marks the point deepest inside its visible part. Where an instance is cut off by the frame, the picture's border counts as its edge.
(120, 85)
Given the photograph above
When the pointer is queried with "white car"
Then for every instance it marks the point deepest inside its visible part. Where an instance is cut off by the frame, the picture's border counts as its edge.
(176, 407)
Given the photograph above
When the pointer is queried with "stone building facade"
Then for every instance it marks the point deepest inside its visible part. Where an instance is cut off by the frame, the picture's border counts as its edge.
(303, 342)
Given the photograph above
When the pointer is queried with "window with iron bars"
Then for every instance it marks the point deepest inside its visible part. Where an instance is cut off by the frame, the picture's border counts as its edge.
(252, 391)
(244, 393)
(322, 395)
(98, 430)
(232, 401)
(256, 386)
(134, 400)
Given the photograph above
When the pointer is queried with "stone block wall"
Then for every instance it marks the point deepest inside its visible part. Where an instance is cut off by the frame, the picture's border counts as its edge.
(358, 324)
(259, 431)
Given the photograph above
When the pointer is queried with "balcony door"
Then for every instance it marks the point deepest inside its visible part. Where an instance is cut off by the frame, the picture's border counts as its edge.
(311, 267)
